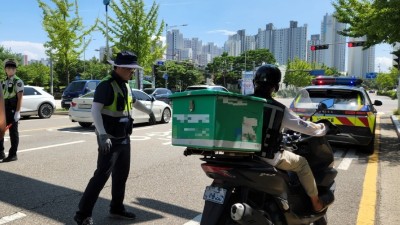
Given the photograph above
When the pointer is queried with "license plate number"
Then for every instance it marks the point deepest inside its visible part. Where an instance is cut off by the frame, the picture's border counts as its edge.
(214, 194)
(67, 103)
(84, 106)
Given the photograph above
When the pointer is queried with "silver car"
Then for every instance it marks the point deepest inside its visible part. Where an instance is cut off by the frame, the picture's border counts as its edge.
(80, 110)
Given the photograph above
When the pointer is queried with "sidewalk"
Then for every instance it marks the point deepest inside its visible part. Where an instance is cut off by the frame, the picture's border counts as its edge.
(396, 123)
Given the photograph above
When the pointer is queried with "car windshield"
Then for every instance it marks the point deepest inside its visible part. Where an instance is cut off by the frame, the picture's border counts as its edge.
(342, 99)
(149, 90)
(75, 86)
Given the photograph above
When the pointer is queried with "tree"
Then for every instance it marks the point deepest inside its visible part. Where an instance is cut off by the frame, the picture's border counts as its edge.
(180, 75)
(66, 36)
(35, 74)
(297, 73)
(135, 30)
(366, 18)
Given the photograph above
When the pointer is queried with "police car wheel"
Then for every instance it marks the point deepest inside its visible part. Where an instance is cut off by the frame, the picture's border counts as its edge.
(166, 116)
(370, 147)
(45, 110)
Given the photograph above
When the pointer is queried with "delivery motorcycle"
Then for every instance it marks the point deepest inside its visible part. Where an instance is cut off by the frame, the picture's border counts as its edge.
(248, 191)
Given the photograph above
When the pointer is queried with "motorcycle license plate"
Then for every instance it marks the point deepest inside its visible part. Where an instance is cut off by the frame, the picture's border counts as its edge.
(214, 194)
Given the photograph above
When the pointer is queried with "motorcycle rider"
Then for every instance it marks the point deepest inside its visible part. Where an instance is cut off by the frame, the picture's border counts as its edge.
(276, 118)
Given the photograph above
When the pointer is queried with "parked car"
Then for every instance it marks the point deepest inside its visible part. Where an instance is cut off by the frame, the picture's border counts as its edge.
(351, 110)
(80, 110)
(77, 88)
(209, 87)
(161, 94)
(37, 102)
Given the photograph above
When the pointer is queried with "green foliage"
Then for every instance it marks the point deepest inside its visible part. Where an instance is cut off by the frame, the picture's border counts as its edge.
(6, 54)
(180, 75)
(378, 20)
(66, 33)
(95, 70)
(35, 74)
(135, 30)
(228, 69)
(297, 73)
(387, 81)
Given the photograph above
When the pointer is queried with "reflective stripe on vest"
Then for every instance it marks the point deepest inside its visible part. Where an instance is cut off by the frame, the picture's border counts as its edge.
(111, 110)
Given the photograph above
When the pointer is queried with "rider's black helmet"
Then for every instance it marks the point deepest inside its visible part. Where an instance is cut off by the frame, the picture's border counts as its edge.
(267, 74)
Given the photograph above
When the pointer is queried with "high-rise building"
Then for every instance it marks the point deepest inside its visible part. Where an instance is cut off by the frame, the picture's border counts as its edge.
(174, 42)
(360, 62)
(335, 55)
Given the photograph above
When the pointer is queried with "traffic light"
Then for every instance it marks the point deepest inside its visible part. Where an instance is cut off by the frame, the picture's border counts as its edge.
(355, 44)
(396, 63)
(155, 69)
(319, 47)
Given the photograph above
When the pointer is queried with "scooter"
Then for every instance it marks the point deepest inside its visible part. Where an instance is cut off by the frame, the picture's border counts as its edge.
(248, 191)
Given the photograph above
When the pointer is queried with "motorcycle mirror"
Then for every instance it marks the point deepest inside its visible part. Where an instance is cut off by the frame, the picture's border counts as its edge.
(322, 106)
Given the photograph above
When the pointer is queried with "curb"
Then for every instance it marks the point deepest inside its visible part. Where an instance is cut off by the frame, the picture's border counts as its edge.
(60, 113)
(396, 124)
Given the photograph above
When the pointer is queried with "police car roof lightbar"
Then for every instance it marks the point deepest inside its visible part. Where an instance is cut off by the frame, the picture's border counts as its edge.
(325, 80)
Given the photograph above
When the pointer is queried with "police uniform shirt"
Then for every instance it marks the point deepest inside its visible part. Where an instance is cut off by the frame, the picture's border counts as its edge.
(104, 93)
(10, 88)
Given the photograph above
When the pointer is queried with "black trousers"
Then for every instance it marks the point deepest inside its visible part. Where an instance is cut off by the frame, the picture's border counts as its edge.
(14, 134)
(116, 164)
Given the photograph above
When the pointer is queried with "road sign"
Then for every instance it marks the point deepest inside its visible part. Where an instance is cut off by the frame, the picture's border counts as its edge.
(160, 63)
(371, 75)
(165, 76)
(317, 72)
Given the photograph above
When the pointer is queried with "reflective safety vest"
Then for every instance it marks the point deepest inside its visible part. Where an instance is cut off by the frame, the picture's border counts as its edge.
(116, 116)
(10, 91)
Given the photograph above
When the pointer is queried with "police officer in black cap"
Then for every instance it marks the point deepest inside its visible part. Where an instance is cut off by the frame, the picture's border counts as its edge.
(111, 111)
(13, 88)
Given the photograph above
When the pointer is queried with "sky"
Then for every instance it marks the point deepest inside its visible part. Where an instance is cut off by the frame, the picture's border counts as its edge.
(210, 20)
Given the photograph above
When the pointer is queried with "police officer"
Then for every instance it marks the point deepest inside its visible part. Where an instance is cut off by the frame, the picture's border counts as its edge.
(111, 111)
(276, 117)
(13, 89)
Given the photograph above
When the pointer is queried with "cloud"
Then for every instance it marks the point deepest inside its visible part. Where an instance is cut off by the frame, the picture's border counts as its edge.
(383, 64)
(224, 32)
(33, 50)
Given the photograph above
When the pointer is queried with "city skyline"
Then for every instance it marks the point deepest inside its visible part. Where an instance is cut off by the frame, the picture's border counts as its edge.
(208, 21)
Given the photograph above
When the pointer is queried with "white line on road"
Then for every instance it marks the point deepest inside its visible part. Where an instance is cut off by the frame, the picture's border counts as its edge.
(12, 217)
(345, 164)
(50, 146)
(194, 221)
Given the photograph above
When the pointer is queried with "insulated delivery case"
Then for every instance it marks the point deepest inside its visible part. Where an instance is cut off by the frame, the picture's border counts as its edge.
(217, 121)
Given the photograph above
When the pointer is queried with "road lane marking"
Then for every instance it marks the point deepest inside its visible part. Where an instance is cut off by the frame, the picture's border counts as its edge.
(51, 146)
(194, 221)
(348, 158)
(11, 218)
(366, 210)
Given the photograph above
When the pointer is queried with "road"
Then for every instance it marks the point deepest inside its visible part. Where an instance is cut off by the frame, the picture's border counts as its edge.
(57, 158)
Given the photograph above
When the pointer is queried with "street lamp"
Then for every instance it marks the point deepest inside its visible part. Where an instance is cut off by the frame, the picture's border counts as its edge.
(106, 3)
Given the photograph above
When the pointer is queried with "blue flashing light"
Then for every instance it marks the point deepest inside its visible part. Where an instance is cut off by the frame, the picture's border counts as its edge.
(326, 80)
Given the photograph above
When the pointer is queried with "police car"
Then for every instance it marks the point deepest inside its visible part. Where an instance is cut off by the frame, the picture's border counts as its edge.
(350, 109)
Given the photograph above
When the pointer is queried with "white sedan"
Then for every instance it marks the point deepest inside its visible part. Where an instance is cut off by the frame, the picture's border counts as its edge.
(80, 110)
(37, 101)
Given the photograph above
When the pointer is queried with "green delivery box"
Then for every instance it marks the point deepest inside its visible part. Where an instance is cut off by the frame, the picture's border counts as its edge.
(217, 121)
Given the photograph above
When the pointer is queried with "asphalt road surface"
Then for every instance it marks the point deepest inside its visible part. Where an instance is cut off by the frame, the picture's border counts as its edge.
(57, 158)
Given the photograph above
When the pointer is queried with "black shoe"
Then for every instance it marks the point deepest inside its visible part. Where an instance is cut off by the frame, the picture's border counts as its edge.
(326, 199)
(123, 215)
(10, 158)
(83, 220)
(2, 155)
